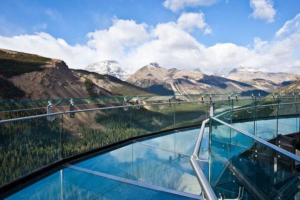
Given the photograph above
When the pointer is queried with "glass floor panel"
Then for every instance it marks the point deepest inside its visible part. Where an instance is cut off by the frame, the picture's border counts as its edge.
(73, 184)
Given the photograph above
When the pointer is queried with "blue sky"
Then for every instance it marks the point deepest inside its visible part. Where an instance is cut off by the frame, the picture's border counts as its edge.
(218, 30)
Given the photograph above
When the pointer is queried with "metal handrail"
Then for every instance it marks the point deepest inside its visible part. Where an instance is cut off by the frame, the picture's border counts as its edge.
(257, 106)
(278, 149)
(207, 190)
(199, 139)
(88, 110)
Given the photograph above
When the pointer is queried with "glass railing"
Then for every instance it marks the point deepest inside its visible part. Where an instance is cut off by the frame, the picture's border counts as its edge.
(78, 126)
(33, 142)
(266, 118)
(15, 109)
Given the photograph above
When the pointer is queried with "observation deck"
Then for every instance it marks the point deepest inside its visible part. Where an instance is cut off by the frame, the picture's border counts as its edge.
(206, 146)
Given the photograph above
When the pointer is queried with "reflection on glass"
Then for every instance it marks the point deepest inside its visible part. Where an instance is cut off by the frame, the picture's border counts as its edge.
(147, 165)
(72, 184)
(237, 162)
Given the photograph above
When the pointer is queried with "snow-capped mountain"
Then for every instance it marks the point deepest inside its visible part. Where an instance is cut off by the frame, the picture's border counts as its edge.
(109, 67)
(248, 74)
(157, 79)
(222, 72)
(243, 69)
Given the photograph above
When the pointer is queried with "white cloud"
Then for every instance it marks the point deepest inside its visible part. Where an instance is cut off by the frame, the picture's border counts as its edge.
(54, 15)
(40, 27)
(289, 27)
(192, 21)
(111, 43)
(44, 44)
(170, 44)
(176, 5)
(263, 9)
(207, 30)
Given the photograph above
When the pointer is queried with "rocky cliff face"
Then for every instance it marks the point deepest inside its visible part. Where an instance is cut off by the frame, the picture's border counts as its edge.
(55, 81)
(112, 84)
(50, 79)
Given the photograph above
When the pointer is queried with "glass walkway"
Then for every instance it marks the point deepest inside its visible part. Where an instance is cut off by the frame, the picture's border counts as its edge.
(155, 168)
(179, 147)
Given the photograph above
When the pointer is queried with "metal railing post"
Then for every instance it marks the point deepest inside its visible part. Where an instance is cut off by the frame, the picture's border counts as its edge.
(49, 111)
(211, 111)
(72, 103)
(277, 113)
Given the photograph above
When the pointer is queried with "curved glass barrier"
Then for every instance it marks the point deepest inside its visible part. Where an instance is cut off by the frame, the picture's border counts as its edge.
(32, 143)
(235, 164)
(242, 167)
(28, 145)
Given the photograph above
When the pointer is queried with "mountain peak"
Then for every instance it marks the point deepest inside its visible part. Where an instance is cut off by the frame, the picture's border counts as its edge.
(173, 69)
(154, 64)
(222, 72)
(197, 70)
(242, 69)
(109, 67)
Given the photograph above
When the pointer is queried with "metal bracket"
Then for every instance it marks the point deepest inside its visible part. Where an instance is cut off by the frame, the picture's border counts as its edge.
(272, 107)
(137, 103)
(236, 97)
(49, 111)
(227, 118)
(210, 98)
(179, 103)
(240, 196)
(72, 103)
(170, 103)
(228, 97)
(125, 105)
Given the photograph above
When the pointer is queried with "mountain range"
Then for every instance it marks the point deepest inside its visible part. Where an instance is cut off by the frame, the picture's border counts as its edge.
(159, 80)
(267, 81)
(28, 76)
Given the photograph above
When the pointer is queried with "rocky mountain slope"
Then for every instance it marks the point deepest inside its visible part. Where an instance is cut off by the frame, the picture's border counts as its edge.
(262, 80)
(109, 67)
(110, 83)
(40, 78)
(27, 76)
(172, 81)
(294, 87)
